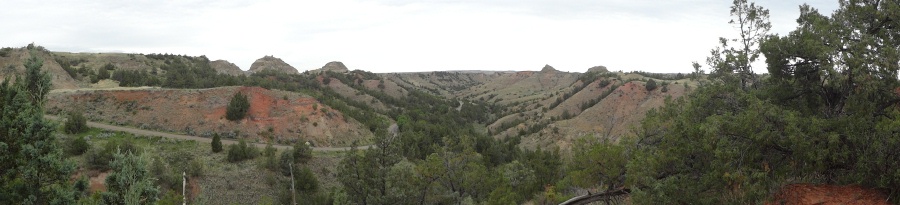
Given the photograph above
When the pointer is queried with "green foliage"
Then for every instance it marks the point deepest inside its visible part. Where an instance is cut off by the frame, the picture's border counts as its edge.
(4, 52)
(216, 143)
(37, 82)
(597, 162)
(503, 196)
(237, 107)
(661, 76)
(130, 182)
(82, 186)
(519, 177)
(547, 166)
(270, 160)
(305, 181)
(32, 168)
(823, 112)
(77, 146)
(603, 83)
(100, 158)
(75, 123)
(650, 85)
(241, 151)
(134, 78)
(102, 73)
(170, 198)
(302, 153)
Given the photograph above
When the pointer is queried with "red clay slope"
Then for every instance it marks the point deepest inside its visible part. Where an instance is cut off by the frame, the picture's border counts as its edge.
(284, 116)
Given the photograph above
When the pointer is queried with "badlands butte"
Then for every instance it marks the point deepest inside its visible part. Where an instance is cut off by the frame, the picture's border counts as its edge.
(336, 106)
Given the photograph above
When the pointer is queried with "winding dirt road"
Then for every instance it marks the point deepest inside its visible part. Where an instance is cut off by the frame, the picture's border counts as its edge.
(195, 138)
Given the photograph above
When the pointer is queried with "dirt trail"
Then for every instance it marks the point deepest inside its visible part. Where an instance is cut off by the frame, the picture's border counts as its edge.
(196, 138)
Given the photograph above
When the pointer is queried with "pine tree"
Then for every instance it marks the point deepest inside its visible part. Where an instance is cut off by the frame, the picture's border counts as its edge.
(32, 167)
(237, 107)
(130, 182)
(216, 143)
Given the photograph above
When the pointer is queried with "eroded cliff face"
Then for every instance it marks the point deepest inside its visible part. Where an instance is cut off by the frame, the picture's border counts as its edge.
(280, 116)
(272, 63)
(225, 67)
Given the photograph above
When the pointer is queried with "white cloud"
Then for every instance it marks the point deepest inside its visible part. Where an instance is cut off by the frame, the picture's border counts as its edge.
(395, 35)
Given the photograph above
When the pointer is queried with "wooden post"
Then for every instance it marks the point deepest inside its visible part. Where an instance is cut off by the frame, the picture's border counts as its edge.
(293, 195)
(183, 189)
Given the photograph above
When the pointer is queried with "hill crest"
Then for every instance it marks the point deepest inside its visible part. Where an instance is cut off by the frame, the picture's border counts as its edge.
(272, 63)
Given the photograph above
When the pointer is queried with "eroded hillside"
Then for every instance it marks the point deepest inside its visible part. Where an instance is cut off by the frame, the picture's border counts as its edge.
(545, 108)
(281, 116)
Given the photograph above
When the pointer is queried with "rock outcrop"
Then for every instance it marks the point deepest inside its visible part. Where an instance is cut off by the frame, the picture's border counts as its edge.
(272, 63)
(225, 67)
(598, 69)
(335, 66)
(548, 69)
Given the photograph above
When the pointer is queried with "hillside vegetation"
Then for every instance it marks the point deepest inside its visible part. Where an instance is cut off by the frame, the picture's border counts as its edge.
(825, 113)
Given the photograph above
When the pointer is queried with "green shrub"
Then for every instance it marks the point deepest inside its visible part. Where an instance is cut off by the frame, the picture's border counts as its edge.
(651, 85)
(4, 52)
(604, 83)
(271, 162)
(77, 146)
(195, 168)
(305, 181)
(100, 158)
(238, 107)
(75, 123)
(216, 143)
(302, 153)
(241, 151)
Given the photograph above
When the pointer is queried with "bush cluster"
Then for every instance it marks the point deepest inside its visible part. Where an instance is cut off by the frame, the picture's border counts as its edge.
(241, 151)
(100, 158)
(75, 123)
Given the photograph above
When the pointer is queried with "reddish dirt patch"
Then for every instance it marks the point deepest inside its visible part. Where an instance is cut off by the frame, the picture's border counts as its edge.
(98, 181)
(796, 194)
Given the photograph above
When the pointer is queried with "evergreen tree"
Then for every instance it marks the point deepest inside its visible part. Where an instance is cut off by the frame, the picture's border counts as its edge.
(75, 123)
(130, 181)
(103, 73)
(829, 109)
(651, 85)
(32, 168)
(216, 143)
(302, 153)
(237, 107)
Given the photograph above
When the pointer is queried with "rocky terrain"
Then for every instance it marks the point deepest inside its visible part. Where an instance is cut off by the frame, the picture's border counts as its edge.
(225, 67)
(279, 116)
(548, 108)
(271, 63)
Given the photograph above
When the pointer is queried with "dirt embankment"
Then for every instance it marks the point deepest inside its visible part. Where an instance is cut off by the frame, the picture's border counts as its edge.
(801, 194)
(283, 117)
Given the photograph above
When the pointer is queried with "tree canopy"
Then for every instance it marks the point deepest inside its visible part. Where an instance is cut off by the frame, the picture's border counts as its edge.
(32, 167)
(827, 113)
(237, 107)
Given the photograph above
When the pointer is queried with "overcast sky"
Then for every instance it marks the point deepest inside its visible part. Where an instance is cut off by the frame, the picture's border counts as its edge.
(396, 35)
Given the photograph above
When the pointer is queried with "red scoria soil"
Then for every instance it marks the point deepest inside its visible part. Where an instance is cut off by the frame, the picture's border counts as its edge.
(797, 194)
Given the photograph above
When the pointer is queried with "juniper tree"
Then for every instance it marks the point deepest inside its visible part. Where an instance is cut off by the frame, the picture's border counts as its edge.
(32, 167)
